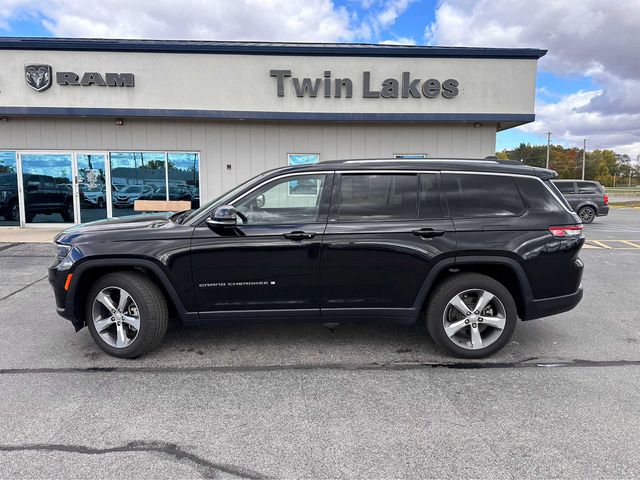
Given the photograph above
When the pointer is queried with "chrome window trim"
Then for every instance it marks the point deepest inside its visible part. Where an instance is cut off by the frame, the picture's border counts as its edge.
(404, 171)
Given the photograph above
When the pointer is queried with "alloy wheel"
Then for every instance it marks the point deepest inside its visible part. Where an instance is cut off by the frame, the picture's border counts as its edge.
(587, 214)
(474, 319)
(116, 317)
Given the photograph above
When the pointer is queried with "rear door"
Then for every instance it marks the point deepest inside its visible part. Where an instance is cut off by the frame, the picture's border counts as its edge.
(590, 193)
(386, 231)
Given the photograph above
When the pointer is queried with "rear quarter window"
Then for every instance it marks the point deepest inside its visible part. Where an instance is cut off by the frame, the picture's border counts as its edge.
(470, 195)
(537, 197)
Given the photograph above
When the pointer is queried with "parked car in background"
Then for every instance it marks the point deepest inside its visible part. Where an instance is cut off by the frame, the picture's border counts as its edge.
(176, 192)
(95, 196)
(42, 196)
(586, 197)
(126, 196)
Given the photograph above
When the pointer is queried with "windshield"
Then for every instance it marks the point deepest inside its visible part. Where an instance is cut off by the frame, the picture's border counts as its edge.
(222, 198)
(132, 189)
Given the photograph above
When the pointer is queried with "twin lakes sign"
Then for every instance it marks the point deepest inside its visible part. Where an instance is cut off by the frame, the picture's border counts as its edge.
(40, 77)
(406, 87)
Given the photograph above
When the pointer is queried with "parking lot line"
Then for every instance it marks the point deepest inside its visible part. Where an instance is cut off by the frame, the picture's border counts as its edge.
(611, 244)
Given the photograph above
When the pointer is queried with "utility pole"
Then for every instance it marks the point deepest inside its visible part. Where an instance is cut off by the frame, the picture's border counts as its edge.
(584, 156)
(548, 145)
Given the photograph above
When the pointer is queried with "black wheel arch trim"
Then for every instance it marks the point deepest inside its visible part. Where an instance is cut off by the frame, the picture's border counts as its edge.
(439, 267)
(90, 264)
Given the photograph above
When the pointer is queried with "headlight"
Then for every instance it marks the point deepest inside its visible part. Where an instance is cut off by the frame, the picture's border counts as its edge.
(63, 259)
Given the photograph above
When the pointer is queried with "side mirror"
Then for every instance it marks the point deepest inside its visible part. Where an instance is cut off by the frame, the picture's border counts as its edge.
(260, 201)
(223, 216)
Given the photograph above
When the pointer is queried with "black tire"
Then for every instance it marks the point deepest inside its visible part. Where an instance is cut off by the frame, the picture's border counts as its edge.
(587, 214)
(459, 283)
(14, 212)
(153, 311)
(67, 213)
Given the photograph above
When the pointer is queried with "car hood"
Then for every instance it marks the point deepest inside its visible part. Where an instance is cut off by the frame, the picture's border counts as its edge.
(119, 226)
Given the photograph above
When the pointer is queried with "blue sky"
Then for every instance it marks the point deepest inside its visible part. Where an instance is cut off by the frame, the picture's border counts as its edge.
(587, 83)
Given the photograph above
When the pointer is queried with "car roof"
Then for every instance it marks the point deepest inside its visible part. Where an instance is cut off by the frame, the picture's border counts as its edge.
(488, 164)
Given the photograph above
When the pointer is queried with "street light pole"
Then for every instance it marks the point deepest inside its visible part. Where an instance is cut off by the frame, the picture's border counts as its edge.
(584, 156)
(548, 144)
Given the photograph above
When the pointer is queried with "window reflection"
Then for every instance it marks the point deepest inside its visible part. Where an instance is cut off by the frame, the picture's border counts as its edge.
(184, 181)
(92, 187)
(143, 170)
(9, 205)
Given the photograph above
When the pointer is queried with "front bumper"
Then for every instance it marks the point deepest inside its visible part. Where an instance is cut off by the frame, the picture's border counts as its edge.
(64, 307)
(552, 306)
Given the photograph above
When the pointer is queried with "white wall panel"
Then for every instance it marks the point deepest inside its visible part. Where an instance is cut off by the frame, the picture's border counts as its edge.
(249, 147)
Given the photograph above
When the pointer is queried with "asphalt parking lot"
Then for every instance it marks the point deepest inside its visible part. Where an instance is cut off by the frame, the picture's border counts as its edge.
(308, 401)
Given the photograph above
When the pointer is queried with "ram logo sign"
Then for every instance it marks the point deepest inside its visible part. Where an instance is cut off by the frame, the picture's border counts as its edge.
(38, 76)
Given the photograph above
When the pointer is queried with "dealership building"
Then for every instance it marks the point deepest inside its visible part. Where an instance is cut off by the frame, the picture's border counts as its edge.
(88, 126)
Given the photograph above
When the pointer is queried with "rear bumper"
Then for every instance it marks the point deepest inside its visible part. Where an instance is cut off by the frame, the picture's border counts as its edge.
(603, 211)
(552, 306)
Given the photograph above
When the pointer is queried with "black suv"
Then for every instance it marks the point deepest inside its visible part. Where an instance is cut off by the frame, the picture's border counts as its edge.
(585, 197)
(42, 196)
(466, 246)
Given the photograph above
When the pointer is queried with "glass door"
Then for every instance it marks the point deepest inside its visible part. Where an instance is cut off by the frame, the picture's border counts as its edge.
(48, 191)
(93, 186)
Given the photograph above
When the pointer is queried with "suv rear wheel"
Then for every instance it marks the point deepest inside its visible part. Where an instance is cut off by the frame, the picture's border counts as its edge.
(471, 315)
(587, 214)
(126, 314)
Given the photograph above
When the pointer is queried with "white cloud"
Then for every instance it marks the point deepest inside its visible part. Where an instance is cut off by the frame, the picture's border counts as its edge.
(399, 41)
(277, 20)
(593, 38)
(259, 20)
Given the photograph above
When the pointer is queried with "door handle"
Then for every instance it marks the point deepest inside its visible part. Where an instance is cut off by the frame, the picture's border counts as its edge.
(428, 232)
(298, 235)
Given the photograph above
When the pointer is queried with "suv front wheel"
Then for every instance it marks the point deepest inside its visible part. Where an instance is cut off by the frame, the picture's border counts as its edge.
(126, 314)
(471, 315)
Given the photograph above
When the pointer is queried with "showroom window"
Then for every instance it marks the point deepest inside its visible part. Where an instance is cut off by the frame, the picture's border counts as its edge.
(9, 206)
(153, 176)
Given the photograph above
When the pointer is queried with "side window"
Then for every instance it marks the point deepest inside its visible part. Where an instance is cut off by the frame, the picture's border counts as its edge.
(482, 195)
(566, 188)
(366, 197)
(538, 198)
(588, 188)
(430, 206)
(294, 199)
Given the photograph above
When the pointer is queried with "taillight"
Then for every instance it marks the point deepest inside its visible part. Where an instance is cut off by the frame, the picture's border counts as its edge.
(566, 231)
(606, 199)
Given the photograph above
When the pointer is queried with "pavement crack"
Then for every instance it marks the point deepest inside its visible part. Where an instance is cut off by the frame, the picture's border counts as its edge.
(22, 289)
(209, 469)
(385, 366)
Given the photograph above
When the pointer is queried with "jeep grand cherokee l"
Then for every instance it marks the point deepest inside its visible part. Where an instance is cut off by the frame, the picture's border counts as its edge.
(466, 247)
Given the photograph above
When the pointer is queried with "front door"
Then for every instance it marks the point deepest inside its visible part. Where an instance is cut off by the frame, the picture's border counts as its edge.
(270, 261)
(385, 232)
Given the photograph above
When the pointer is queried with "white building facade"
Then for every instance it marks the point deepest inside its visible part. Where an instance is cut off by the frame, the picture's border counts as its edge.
(84, 123)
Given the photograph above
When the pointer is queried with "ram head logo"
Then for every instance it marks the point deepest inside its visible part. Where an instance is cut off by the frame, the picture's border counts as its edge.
(38, 76)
